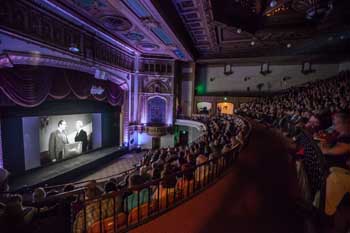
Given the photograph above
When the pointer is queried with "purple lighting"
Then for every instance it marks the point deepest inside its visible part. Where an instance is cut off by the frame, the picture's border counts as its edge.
(1, 156)
(86, 25)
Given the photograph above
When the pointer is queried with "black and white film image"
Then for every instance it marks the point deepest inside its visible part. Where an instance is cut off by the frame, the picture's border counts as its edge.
(64, 136)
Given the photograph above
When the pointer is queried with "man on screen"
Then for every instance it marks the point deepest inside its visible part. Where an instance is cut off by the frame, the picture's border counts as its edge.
(81, 135)
(58, 139)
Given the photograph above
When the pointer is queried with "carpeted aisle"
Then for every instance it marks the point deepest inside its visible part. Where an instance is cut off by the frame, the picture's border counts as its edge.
(255, 197)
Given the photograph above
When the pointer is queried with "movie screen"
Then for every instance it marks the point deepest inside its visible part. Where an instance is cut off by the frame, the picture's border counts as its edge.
(64, 136)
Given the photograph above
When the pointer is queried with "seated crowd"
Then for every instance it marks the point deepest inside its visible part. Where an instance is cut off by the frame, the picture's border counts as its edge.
(161, 177)
(321, 109)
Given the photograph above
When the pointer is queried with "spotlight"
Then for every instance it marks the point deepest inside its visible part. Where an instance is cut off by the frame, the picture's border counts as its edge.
(289, 45)
(252, 43)
(273, 3)
(239, 30)
(74, 48)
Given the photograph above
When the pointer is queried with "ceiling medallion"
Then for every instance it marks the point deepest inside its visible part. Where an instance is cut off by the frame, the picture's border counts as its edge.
(116, 23)
(150, 22)
(134, 36)
(146, 46)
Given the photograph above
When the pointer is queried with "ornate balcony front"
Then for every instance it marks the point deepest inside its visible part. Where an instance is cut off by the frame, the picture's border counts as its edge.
(158, 130)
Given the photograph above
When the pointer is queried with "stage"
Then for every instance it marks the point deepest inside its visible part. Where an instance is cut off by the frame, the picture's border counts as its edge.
(67, 170)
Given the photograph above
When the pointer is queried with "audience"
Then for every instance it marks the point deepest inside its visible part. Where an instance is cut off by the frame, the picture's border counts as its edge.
(311, 105)
(312, 108)
(174, 167)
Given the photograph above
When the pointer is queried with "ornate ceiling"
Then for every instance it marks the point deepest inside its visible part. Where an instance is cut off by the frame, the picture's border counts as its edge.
(258, 28)
(133, 22)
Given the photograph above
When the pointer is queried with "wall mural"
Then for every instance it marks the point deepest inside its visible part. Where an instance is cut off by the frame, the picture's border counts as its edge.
(156, 110)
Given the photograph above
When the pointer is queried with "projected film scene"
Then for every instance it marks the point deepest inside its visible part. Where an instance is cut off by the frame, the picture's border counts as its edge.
(65, 136)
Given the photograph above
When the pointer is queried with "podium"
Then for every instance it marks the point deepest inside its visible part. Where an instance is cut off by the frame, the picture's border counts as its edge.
(71, 149)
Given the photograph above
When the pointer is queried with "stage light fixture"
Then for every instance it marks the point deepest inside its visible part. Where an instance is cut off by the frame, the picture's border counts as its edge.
(289, 45)
(252, 43)
(74, 48)
(273, 3)
(239, 30)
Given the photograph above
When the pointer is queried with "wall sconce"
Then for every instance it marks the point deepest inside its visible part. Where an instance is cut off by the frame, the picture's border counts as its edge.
(265, 69)
(228, 69)
(306, 68)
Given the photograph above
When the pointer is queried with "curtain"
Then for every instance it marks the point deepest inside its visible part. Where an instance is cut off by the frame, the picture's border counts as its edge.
(30, 86)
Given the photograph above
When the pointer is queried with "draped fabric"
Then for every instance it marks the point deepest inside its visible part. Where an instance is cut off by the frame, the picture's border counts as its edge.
(30, 86)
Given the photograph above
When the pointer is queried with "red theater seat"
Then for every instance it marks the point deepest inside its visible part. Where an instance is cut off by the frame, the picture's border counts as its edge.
(108, 224)
(144, 212)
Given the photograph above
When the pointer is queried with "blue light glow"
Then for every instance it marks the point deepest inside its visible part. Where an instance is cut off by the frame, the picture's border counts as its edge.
(162, 35)
(179, 53)
(83, 23)
(137, 8)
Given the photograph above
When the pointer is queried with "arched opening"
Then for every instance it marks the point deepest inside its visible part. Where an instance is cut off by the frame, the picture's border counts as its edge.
(226, 108)
(204, 107)
(156, 110)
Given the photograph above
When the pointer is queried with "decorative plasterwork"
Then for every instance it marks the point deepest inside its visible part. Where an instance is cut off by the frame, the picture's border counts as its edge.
(26, 19)
(252, 28)
(116, 23)
(11, 59)
(198, 19)
(135, 22)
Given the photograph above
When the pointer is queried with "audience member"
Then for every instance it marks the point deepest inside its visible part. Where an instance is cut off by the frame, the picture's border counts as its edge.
(137, 197)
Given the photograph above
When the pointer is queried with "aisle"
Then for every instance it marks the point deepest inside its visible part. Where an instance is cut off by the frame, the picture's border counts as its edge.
(254, 197)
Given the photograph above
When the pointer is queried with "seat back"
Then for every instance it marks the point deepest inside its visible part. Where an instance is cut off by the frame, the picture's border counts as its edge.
(140, 213)
(109, 225)
(184, 189)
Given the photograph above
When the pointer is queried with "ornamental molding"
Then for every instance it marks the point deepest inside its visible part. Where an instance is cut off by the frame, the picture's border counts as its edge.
(10, 59)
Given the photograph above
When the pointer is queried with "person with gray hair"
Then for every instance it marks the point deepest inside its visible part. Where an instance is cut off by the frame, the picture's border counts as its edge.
(81, 135)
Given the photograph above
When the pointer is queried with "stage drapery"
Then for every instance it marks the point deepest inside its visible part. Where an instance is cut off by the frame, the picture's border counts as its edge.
(30, 86)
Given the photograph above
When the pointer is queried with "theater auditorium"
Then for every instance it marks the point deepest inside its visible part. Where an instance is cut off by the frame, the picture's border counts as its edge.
(174, 116)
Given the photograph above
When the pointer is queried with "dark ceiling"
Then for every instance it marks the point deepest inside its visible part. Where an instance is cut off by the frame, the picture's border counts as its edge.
(258, 28)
